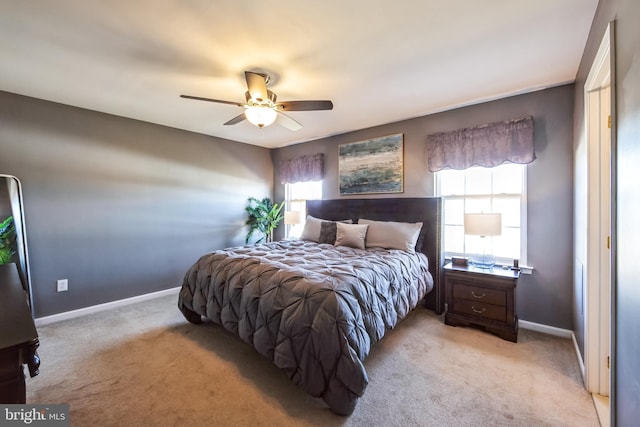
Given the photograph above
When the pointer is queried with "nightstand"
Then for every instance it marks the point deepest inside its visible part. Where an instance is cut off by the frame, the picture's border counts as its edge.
(483, 298)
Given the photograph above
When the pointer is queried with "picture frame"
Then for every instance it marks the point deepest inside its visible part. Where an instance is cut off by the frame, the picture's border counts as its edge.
(372, 166)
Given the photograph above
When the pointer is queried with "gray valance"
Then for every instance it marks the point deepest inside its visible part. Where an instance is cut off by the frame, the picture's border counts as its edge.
(487, 145)
(309, 167)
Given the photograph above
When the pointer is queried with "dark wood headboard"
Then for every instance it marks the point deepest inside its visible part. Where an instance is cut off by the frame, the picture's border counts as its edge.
(427, 210)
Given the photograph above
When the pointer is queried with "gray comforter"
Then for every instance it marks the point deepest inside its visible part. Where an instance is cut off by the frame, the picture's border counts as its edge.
(313, 309)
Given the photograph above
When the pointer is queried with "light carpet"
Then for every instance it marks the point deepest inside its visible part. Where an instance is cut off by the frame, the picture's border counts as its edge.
(145, 365)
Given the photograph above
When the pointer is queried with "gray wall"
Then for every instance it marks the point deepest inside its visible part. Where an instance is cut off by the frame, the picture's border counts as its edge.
(117, 206)
(546, 295)
(626, 317)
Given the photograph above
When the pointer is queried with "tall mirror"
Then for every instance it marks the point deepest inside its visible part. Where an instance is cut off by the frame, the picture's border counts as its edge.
(13, 236)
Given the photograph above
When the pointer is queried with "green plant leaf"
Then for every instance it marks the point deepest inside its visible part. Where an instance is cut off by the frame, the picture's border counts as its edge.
(263, 217)
(7, 240)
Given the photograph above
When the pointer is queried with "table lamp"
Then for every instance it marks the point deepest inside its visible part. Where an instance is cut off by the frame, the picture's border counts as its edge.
(292, 218)
(483, 225)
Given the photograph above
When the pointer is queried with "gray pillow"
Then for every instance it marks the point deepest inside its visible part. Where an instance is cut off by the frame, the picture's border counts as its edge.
(328, 232)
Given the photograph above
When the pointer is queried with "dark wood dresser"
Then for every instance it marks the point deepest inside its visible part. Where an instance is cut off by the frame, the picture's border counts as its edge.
(483, 298)
(18, 337)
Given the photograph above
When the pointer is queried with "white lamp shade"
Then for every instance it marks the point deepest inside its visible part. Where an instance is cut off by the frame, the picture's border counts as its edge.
(292, 217)
(260, 116)
(483, 224)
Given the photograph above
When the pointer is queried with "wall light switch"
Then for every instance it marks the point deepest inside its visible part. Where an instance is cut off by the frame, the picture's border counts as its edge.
(63, 285)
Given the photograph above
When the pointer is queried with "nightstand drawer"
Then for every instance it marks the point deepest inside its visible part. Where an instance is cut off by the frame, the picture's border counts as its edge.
(476, 293)
(479, 309)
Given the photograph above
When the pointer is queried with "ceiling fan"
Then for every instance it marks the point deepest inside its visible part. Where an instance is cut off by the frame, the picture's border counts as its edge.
(261, 108)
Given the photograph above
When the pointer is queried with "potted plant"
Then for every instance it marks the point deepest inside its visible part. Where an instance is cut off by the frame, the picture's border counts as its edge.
(7, 240)
(264, 217)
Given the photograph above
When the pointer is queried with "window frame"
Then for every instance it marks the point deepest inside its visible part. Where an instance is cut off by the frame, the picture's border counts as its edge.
(289, 201)
(523, 259)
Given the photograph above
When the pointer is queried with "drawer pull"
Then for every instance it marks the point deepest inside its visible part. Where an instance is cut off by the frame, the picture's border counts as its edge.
(473, 294)
(478, 310)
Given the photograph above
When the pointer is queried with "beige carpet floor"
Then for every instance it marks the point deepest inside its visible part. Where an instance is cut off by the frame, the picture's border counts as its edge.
(144, 365)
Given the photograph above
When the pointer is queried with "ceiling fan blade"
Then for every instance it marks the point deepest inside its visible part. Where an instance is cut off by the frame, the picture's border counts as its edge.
(199, 98)
(287, 122)
(257, 85)
(305, 105)
(236, 119)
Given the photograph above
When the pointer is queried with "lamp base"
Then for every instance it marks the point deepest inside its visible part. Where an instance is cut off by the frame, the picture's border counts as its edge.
(483, 261)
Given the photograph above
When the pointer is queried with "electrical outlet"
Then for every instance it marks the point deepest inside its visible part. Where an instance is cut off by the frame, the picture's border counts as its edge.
(63, 285)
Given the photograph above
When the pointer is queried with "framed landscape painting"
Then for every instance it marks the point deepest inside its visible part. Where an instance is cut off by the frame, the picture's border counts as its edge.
(371, 166)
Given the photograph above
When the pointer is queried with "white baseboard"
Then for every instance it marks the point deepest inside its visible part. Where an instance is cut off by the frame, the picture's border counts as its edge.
(579, 357)
(46, 320)
(558, 332)
(545, 329)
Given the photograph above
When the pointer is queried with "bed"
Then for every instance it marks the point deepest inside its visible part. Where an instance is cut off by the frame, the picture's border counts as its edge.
(315, 309)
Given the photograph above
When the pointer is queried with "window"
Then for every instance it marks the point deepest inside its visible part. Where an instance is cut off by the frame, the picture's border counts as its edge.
(499, 189)
(296, 196)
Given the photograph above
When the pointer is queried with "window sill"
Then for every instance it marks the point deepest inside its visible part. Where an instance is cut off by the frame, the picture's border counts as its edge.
(524, 269)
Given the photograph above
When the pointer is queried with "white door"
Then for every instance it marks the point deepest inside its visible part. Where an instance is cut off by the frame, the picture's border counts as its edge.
(598, 221)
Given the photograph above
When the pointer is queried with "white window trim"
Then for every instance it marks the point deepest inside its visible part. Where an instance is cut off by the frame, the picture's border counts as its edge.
(288, 205)
(524, 225)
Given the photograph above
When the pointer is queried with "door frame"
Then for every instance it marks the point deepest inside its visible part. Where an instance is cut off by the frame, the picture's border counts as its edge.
(600, 218)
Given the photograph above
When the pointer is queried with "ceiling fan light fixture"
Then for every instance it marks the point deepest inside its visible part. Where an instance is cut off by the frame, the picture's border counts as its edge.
(260, 116)
(261, 108)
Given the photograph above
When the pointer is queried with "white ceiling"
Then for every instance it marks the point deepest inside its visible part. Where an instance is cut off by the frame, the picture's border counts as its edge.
(378, 61)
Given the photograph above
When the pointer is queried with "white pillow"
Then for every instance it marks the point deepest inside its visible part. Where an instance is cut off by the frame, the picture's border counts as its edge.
(311, 230)
(352, 235)
(392, 235)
